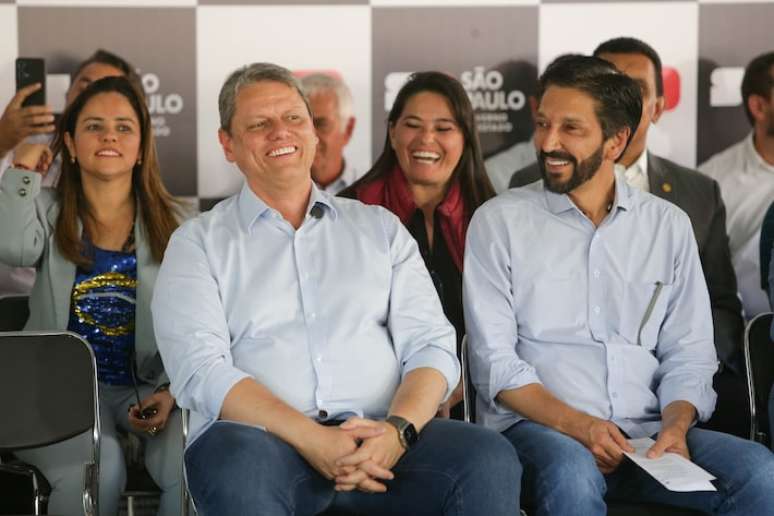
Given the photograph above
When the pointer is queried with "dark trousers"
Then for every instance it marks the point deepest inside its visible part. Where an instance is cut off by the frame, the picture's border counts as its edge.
(454, 469)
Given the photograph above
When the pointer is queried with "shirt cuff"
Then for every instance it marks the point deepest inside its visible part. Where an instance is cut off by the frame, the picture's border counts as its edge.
(22, 184)
(219, 381)
(507, 376)
(697, 393)
(437, 359)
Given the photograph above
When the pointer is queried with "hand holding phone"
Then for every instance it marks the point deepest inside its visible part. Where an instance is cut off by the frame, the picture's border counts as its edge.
(30, 71)
(151, 413)
(26, 114)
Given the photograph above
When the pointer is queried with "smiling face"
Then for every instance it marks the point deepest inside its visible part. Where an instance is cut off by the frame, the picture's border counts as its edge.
(568, 138)
(107, 137)
(427, 141)
(271, 138)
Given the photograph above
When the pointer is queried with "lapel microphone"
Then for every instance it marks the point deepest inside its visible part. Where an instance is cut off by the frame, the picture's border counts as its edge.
(316, 211)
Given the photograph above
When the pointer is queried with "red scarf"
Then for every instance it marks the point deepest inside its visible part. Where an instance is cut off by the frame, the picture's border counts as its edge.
(392, 192)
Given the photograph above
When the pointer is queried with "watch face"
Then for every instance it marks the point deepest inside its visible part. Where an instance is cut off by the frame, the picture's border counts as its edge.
(410, 433)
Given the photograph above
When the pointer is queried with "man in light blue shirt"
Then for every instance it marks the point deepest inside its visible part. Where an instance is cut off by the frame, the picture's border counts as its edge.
(589, 320)
(306, 337)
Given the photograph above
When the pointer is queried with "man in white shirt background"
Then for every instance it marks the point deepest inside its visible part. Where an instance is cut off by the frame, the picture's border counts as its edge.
(745, 172)
(334, 122)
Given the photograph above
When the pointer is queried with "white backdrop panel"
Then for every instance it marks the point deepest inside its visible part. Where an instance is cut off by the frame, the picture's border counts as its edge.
(297, 37)
(9, 51)
(669, 27)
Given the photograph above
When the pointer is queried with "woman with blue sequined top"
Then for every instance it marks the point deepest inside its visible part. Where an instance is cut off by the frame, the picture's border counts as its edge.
(97, 241)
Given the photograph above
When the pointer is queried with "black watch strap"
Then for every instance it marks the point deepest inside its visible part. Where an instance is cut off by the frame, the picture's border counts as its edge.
(407, 433)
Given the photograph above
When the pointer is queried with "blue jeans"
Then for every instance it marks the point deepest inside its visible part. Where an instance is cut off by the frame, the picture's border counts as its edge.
(454, 469)
(561, 477)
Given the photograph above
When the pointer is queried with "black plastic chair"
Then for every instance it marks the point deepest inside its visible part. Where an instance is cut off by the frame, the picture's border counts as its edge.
(187, 500)
(48, 393)
(759, 359)
(14, 312)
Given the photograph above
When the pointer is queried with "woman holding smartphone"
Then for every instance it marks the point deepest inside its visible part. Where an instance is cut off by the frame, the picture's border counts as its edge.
(97, 241)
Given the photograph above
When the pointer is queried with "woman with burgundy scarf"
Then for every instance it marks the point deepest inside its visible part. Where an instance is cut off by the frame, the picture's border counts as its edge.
(431, 175)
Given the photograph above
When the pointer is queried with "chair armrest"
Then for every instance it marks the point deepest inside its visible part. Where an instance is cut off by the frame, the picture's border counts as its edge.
(90, 489)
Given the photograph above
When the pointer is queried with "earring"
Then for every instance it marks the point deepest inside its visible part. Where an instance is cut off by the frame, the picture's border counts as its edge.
(72, 160)
(139, 161)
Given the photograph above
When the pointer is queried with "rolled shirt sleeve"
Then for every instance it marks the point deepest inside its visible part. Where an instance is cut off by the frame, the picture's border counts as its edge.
(686, 353)
(490, 317)
(191, 329)
(421, 334)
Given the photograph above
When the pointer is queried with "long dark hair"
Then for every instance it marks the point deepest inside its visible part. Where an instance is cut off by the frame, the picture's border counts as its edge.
(470, 172)
(158, 209)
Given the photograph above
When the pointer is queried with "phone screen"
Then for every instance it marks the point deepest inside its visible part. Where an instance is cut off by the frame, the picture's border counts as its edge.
(30, 70)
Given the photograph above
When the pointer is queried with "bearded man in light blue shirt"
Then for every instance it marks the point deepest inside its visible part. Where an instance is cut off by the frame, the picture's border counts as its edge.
(589, 320)
(306, 337)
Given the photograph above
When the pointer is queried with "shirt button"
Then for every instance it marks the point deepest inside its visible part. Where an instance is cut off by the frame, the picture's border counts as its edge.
(22, 192)
(596, 273)
(312, 316)
(318, 359)
(323, 414)
(615, 395)
(597, 310)
(26, 180)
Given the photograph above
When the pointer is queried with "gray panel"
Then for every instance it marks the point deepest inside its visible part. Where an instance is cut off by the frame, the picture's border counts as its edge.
(501, 42)
(730, 35)
(608, 1)
(160, 42)
(283, 2)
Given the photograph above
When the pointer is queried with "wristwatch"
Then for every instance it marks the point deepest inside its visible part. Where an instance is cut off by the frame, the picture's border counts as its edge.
(407, 433)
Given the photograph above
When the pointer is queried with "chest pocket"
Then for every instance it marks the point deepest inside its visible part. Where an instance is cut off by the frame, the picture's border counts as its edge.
(644, 312)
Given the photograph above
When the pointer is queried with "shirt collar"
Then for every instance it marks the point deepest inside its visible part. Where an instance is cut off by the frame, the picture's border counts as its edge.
(558, 203)
(346, 178)
(640, 166)
(753, 155)
(251, 207)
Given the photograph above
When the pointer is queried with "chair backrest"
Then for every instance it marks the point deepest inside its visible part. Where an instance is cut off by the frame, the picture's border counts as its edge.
(759, 358)
(764, 247)
(468, 391)
(48, 389)
(14, 312)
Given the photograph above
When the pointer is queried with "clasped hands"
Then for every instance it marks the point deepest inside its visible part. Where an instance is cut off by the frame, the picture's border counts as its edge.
(358, 454)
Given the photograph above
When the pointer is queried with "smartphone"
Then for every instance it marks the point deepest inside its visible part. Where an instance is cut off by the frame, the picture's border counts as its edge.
(148, 412)
(30, 70)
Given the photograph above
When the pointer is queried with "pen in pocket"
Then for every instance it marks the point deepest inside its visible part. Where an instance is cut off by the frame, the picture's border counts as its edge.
(649, 310)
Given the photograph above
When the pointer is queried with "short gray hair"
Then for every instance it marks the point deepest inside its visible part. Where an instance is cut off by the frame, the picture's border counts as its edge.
(316, 83)
(250, 74)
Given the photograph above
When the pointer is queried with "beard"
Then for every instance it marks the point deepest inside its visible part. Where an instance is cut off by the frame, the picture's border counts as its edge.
(581, 172)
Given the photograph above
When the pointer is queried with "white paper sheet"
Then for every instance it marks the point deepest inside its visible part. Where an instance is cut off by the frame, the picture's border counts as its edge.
(671, 470)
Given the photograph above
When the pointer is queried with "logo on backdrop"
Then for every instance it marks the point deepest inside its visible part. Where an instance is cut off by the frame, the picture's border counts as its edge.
(726, 86)
(160, 104)
(671, 79)
(491, 98)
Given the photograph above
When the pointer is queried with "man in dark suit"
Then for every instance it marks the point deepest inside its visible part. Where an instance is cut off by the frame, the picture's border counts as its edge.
(699, 196)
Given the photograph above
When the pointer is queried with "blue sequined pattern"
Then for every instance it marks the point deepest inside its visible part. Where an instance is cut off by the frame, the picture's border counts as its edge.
(102, 310)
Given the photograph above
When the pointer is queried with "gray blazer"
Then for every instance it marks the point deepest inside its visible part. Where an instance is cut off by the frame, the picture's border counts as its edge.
(699, 196)
(27, 218)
